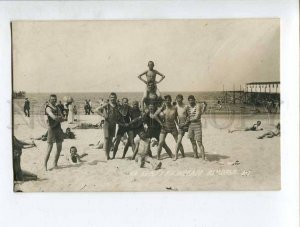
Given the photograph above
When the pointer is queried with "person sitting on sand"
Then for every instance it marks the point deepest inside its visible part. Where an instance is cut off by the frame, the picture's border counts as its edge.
(142, 149)
(254, 127)
(74, 157)
(19, 174)
(271, 134)
(151, 77)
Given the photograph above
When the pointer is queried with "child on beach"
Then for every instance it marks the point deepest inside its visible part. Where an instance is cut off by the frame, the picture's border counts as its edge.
(254, 127)
(271, 134)
(151, 77)
(74, 157)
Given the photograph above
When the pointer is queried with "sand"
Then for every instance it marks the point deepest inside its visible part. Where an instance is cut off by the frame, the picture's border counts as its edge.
(258, 167)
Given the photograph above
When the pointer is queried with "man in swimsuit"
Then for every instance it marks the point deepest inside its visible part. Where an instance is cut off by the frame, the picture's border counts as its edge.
(110, 113)
(55, 132)
(136, 127)
(254, 127)
(183, 122)
(169, 114)
(195, 127)
(124, 110)
(151, 77)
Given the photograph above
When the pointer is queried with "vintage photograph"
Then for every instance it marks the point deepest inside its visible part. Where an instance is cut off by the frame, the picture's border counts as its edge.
(146, 105)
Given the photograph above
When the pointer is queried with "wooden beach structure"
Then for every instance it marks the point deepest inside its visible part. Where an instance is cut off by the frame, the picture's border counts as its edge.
(259, 94)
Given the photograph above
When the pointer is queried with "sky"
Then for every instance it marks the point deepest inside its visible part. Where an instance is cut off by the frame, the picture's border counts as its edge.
(106, 56)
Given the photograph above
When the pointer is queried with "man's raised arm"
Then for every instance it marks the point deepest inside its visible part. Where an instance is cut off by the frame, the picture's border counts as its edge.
(140, 77)
(161, 75)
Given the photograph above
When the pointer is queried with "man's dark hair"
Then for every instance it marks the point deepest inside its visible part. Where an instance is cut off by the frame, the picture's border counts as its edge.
(191, 97)
(179, 96)
(113, 93)
(150, 62)
(72, 148)
(53, 95)
(125, 98)
(168, 97)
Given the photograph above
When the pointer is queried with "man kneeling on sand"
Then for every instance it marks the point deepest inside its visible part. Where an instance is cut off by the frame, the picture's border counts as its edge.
(142, 149)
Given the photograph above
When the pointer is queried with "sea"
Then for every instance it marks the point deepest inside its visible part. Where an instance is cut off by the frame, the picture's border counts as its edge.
(38, 100)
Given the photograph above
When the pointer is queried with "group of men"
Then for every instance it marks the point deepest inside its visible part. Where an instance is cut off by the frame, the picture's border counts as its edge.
(155, 122)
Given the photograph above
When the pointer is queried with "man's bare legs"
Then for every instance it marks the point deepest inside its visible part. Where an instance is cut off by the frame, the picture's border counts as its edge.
(162, 144)
(59, 147)
(179, 146)
(116, 146)
(200, 145)
(48, 152)
(194, 145)
(130, 141)
(107, 145)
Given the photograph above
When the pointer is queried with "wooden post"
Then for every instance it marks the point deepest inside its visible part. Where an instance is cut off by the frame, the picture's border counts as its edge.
(233, 95)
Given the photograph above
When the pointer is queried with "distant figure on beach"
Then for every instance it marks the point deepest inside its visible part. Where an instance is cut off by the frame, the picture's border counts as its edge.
(27, 108)
(183, 122)
(73, 157)
(271, 134)
(66, 107)
(87, 107)
(91, 107)
(195, 126)
(254, 127)
(55, 132)
(111, 114)
(19, 174)
(151, 77)
(71, 113)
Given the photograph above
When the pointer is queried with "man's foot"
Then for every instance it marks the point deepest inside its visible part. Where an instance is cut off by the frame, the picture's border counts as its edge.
(175, 158)
(158, 166)
(183, 155)
(260, 137)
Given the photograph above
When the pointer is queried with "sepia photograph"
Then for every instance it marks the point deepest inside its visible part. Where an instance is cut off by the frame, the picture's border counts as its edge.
(146, 105)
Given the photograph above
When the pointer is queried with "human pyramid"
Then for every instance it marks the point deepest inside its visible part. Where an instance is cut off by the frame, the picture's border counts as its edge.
(156, 118)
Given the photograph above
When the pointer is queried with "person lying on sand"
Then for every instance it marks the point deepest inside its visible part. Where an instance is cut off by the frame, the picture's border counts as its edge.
(254, 127)
(271, 134)
(74, 157)
(67, 135)
(98, 145)
(87, 126)
(143, 150)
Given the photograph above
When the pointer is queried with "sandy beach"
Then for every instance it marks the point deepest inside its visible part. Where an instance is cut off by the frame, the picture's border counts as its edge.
(258, 168)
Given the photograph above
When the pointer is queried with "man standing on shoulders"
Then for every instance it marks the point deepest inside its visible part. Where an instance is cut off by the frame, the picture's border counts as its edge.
(110, 112)
(55, 133)
(195, 128)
